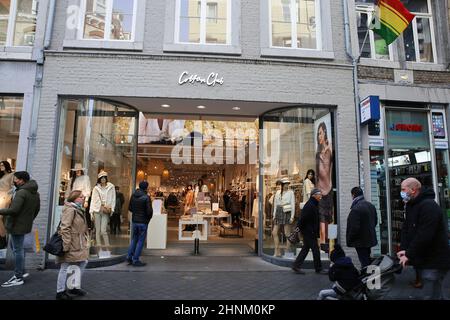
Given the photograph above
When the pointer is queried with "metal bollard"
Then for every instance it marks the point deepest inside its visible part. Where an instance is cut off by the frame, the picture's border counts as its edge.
(196, 246)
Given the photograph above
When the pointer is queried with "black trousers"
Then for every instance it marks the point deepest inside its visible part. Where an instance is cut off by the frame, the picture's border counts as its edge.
(114, 224)
(363, 256)
(309, 243)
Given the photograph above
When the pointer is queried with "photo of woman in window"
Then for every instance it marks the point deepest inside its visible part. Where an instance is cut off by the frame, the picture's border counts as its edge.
(324, 163)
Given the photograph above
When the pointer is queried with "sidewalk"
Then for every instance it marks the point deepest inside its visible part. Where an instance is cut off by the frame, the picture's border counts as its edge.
(193, 278)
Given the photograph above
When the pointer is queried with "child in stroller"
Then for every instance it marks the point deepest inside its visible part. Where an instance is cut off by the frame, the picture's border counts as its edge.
(373, 283)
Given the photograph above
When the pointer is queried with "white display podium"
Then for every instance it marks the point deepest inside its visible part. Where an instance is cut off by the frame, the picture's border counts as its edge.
(157, 232)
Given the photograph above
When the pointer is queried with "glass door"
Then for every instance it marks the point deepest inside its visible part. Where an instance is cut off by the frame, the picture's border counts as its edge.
(408, 155)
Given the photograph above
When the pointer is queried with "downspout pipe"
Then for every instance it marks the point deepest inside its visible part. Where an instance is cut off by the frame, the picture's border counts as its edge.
(49, 27)
(355, 61)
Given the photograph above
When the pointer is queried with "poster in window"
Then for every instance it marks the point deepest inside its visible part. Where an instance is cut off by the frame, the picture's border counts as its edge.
(438, 125)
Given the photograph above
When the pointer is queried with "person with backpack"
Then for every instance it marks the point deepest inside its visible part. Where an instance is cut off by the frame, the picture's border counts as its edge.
(142, 212)
(24, 208)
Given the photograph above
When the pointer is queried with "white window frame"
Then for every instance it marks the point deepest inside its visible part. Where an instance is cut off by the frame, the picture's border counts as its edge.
(203, 14)
(370, 10)
(74, 36)
(108, 20)
(294, 20)
(12, 24)
(428, 16)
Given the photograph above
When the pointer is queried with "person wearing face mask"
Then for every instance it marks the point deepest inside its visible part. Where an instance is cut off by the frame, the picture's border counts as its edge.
(75, 236)
(424, 239)
(20, 215)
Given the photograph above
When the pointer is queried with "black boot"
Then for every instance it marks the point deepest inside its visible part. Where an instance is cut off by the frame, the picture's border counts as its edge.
(63, 296)
(78, 292)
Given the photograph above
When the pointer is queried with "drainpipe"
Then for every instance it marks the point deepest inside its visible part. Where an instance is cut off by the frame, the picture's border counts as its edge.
(355, 61)
(37, 89)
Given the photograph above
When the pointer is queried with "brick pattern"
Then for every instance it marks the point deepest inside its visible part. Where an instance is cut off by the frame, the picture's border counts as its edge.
(430, 77)
(374, 73)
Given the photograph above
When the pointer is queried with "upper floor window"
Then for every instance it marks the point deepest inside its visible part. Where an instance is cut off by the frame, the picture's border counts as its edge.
(109, 20)
(203, 22)
(17, 22)
(371, 45)
(419, 37)
(295, 24)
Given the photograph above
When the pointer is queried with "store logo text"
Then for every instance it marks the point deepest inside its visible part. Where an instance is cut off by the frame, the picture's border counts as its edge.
(212, 79)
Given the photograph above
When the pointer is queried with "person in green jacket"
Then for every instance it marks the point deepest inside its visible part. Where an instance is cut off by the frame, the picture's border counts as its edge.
(19, 221)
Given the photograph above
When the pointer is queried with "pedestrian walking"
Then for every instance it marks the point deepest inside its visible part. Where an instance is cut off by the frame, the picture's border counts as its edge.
(309, 226)
(142, 212)
(24, 208)
(74, 232)
(424, 240)
(361, 224)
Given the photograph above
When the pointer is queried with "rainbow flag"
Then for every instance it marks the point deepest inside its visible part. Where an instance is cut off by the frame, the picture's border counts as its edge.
(391, 19)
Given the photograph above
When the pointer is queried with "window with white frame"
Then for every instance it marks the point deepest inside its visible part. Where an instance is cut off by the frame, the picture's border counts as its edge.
(419, 37)
(110, 20)
(295, 24)
(17, 22)
(371, 45)
(203, 22)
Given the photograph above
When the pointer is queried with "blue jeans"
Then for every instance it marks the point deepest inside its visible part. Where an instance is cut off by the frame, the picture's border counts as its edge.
(432, 284)
(19, 254)
(138, 235)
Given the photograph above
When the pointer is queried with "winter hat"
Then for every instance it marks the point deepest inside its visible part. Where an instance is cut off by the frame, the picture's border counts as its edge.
(337, 253)
(315, 191)
(102, 174)
(143, 185)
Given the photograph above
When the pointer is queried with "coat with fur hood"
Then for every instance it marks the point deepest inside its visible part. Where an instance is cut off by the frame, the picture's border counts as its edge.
(74, 233)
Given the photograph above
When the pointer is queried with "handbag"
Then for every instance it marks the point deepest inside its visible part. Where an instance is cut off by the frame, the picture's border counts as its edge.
(287, 208)
(294, 236)
(55, 245)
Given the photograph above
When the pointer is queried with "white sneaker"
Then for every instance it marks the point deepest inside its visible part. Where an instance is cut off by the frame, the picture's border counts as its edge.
(13, 282)
(25, 275)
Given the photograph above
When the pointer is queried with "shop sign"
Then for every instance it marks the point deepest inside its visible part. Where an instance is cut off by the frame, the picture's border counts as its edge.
(211, 80)
(370, 109)
(406, 127)
(441, 144)
(376, 143)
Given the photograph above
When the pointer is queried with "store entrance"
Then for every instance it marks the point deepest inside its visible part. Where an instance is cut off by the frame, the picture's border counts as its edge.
(202, 177)
(409, 155)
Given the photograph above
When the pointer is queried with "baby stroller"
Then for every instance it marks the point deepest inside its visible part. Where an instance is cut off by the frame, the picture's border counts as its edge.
(376, 280)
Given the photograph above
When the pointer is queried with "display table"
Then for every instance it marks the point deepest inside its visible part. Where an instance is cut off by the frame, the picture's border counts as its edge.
(199, 223)
(157, 232)
(218, 217)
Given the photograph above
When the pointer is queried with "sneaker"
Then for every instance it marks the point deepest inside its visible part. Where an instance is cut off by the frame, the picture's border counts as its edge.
(139, 264)
(25, 275)
(297, 270)
(129, 261)
(77, 292)
(63, 296)
(13, 282)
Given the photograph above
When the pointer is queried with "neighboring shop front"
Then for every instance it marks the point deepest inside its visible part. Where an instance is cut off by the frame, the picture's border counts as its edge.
(409, 140)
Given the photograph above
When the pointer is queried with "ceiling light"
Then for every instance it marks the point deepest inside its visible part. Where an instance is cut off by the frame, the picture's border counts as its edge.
(236, 108)
(165, 105)
(201, 107)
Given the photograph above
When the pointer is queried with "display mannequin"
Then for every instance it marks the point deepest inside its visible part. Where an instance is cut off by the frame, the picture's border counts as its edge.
(102, 203)
(200, 187)
(80, 181)
(6, 190)
(308, 184)
(189, 200)
(283, 214)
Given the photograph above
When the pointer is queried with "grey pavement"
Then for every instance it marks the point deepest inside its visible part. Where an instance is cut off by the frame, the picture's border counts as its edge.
(194, 278)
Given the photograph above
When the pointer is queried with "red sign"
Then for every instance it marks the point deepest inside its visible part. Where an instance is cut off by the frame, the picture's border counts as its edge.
(407, 127)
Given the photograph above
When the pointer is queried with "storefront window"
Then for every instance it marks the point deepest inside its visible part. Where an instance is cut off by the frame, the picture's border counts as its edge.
(10, 117)
(297, 142)
(96, 136)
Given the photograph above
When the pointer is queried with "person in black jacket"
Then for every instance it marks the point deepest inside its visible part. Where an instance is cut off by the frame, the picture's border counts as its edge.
(361, 223)
(343, 273)
(424, 237)
(142, 211)
(308, 223)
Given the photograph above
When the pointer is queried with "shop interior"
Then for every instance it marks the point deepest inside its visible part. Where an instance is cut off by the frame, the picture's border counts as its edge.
(214, 200)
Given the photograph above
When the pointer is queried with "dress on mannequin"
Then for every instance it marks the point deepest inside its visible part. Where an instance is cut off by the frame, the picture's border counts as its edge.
(6, 191)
